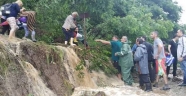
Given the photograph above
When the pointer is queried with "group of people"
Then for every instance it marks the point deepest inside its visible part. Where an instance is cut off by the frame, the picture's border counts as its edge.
(18, 18)
(149, 59)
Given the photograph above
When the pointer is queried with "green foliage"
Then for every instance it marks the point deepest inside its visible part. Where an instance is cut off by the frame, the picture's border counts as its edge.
(98, 57)
(79, 68)
(3, 63)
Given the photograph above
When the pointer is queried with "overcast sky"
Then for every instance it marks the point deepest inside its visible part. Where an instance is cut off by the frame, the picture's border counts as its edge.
(182, 3)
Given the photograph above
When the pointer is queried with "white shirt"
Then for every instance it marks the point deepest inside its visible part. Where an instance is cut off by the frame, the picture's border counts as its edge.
(181, 51)
(69, 22)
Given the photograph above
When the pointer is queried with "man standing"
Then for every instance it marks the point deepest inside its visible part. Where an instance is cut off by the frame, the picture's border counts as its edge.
(172, 48)
(159, 57)
(116, 46)
(141, 56)
(151, 62)
(181, 53)
(69, 27)
(125, 61)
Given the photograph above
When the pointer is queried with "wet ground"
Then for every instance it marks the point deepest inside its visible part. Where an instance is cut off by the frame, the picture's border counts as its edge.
(112, 86)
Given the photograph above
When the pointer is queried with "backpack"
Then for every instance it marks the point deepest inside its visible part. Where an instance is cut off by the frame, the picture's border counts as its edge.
(5, 9)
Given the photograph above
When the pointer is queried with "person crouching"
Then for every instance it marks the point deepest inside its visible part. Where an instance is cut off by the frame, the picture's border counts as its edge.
(141, 56)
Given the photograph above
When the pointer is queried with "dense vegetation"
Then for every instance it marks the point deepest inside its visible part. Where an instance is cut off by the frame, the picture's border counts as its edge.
(132, 18)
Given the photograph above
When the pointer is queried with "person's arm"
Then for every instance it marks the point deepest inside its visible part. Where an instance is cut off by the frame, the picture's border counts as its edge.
(169, 46)
(160, 48)
(179, 49)
(24, 13)
(103, 41)
(124, 51)
(138, 55)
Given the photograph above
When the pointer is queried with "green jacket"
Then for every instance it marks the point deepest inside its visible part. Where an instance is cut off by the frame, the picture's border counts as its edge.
(125, 55)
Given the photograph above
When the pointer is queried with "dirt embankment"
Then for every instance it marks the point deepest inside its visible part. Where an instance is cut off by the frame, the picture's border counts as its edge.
(37, 69)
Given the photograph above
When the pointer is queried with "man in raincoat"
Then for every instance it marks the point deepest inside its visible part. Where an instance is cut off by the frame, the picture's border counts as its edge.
(125, 61)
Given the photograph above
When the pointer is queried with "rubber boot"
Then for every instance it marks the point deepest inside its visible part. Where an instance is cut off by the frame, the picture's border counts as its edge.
(71, 42)
(75, 39)
(165, 87)
(33, 36)
(148, 87)
(66, 42)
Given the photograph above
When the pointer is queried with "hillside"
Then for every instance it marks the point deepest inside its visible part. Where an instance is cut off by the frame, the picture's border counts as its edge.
(38, 69)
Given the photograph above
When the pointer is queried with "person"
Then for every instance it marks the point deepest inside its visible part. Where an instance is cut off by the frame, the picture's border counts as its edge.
(159, 57)
(75, 36)
(28, 21)
(141, 56)
(4, 27)
(79, 37)
(172, 49)
(151, 62)
(181, 54)
(115, 46)
(69, 27)
(125, 61)
(134, 47)
(11, 18)
(134, 69)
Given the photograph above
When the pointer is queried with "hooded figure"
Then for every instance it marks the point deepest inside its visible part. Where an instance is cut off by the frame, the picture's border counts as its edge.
(125, 61)
(141, 56)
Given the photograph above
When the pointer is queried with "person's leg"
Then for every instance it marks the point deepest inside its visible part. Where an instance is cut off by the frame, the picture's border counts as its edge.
(66, 35)
(162, 63)
(26, 30)
(13, 26)
(152, 73)
(75, 37)
(141, 83)
(33, 36)
(116, 65)
(168, 70)
(146, 81)
(175, 65)
(184, 72)
(157, 71)
(162, 71)
(183, 67)
(71, 34)
(126, 75)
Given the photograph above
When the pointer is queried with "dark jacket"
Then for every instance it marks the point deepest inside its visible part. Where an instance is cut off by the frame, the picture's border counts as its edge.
(14, 10)
(141, 57)
(149, 50)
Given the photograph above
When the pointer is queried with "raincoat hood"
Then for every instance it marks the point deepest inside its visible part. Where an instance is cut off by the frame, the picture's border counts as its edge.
(143, 47)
